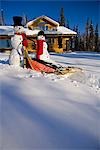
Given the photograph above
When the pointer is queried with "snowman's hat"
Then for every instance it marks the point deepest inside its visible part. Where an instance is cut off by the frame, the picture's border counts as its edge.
(17, 20)
(41, 33)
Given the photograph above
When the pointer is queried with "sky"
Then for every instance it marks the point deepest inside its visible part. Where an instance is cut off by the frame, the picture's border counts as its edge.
(76, 12)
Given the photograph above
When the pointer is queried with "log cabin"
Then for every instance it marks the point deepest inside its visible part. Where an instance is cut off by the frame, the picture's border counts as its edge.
(58, 37)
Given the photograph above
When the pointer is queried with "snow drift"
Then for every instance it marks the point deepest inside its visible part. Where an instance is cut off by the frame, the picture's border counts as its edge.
(46, 111)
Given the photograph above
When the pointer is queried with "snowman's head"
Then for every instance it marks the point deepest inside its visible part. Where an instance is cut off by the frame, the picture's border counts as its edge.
(18, 29)
(41, 35)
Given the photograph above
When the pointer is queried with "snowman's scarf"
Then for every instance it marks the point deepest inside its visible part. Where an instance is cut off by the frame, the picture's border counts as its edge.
(23, 42)
(39, 48)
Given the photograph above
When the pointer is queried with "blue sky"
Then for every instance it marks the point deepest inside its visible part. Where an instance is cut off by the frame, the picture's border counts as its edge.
(76, 12)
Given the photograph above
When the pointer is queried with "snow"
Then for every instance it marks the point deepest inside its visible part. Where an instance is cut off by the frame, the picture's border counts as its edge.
(9, 30)
(40, 111)
(6, 30)
(31, 32)
(64, 30)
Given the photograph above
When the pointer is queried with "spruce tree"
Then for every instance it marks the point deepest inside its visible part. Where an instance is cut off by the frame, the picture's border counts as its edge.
(97, 48)
(77, 38)
(74, 28)
(87, 35)
(67, 24)
(62, 17)
(91, 37)
(81, 45)
(72, 40)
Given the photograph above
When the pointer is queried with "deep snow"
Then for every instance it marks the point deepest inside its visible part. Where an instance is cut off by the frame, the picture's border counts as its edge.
(40, 111)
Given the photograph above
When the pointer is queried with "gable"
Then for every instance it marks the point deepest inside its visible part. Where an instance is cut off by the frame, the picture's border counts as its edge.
(43, 21)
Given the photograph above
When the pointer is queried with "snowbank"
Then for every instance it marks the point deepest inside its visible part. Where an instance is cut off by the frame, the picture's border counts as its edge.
(40, 111)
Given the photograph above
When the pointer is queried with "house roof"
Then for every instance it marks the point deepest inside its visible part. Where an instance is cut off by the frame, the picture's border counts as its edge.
(43, 17)
(6, 30)
(31, 32)
(9, 30)
(61, 30)
(64, 30)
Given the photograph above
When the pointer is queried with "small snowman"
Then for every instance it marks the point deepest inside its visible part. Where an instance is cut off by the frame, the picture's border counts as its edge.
(18, 41)
(42, 52)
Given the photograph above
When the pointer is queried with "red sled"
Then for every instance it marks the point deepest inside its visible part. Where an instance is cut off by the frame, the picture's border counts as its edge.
(38, 66)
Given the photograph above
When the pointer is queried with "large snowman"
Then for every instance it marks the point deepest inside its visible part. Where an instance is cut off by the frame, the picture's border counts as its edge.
(18, 42)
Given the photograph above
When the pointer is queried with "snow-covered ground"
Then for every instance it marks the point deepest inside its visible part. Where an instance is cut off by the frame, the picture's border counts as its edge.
(49, 112)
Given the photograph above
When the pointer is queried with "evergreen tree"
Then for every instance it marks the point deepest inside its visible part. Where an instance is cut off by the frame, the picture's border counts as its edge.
(77, 38)
(87, 35)
(91, 36)
(67, 24)
(81, 45)
(72, 41)
(74, 28)
(97, 48)
(62, 17)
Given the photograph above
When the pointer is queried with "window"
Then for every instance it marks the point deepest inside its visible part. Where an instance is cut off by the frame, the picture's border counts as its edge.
(5, 43)
(46, 27)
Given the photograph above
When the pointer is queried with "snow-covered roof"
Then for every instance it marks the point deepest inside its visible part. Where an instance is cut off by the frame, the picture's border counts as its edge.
(9, 30)
(64, 30)
(41, 17)
(31, 32)
(61, 30)
(6, 30)
(52, 32)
